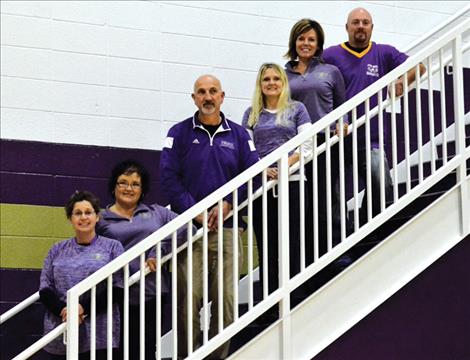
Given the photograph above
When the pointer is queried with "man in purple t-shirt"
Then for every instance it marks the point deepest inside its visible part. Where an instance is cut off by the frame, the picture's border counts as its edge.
(362, 62)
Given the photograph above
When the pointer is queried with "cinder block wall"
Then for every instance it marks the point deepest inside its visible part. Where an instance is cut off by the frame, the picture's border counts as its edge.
(85, 84)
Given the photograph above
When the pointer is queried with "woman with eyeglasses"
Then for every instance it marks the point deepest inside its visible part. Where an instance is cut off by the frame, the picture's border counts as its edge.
(130, 221)
(273, 119)
(69, 262)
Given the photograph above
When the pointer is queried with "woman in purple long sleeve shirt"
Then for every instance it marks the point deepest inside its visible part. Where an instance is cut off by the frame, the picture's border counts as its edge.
(320, 87)
(69, 262)
(130, 221)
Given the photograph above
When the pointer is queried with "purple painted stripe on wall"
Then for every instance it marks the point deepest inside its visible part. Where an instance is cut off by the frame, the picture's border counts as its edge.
(17, 284)
(37, 173)
(427, 319)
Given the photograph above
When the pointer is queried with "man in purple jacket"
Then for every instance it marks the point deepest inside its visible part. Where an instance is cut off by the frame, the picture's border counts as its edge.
(201, 154)
(362, 62)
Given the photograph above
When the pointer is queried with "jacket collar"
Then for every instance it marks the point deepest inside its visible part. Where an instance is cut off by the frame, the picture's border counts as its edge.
(107, 214)
(291, 64)
(197, 123)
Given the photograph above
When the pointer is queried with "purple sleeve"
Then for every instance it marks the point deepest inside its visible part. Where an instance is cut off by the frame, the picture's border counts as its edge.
(302, 117)
(339, 89)
(396, 58)
(117, 250)
(171, 175)
(246, 115)
(47, 276)
(47, 291)
(248, 157)
(165, 216)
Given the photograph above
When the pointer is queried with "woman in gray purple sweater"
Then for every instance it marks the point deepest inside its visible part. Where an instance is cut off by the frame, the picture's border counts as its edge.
(69, 262)
(130, 221)
(273, 119)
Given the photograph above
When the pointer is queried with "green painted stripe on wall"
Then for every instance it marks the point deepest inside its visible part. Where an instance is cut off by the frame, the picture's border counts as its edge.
(33, 221)
(27, 232)
(20, 252)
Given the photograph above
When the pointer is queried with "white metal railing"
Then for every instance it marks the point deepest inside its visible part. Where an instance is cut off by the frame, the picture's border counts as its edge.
(433, 57)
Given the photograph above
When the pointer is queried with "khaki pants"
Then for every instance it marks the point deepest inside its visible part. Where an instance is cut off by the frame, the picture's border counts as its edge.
(197, 292)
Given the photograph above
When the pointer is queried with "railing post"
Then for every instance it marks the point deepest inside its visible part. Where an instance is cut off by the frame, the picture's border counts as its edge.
(72, 325)
(460, 132)
(283, 224)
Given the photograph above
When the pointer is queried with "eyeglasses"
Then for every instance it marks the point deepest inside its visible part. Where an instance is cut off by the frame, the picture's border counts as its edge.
(125, 185)
(79, 214)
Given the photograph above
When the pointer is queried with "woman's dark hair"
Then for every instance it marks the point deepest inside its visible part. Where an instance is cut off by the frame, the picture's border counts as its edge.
(300, 27)
(128, 167)
(78, 196)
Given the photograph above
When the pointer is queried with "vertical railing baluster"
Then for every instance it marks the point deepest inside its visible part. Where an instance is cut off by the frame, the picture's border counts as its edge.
(355, 170)
(302, 207)
(109, 320)
(406, 125)
(265, 233)
(235, 252)
(316, 250)
(381, 150)
(72, 325)
(342, 186)
(93, 324)
(250, 244)
(284, 242)
(142, 307)
(220, 265)
(189, 285)
(329, 225)
(368, 167)
(432, 140)
(394, 141)
(419, 126)
(205, 279)
(443, 106)
(174, 293)
(126, 312)
(158, 302)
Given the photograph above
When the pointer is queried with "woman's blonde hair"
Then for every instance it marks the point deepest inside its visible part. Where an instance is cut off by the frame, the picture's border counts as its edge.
(258, 102)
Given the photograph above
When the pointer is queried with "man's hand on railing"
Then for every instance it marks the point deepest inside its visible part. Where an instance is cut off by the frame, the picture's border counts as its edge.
(152, 264)
(213, 215)
(272, 173)
(399, 88)
(345, 129)
(81, 314)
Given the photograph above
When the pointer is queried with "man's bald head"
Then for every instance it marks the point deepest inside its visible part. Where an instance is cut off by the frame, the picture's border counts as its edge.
(208, 96)
(359, 12)
(205, 78)
(359, 27)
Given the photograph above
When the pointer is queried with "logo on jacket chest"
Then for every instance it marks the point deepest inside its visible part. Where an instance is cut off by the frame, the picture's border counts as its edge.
(372, 70)
(227, 144)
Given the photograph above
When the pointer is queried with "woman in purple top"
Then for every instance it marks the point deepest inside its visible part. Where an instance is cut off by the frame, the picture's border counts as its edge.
(131, 221)
(320, 87)
(272, 120)
(68, 263)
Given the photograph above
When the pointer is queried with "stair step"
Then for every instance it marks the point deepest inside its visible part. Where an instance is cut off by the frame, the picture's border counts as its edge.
(451, 146)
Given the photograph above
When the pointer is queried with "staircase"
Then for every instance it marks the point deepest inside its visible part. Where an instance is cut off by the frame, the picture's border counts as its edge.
(429, 215)
(386, 260)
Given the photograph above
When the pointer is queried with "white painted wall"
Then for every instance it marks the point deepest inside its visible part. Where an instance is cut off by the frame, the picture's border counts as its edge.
(120, 73)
